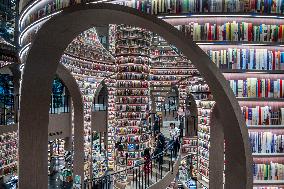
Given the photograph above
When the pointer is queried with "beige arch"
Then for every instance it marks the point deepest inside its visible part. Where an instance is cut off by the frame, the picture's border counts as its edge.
(42, 62)
(75, 93)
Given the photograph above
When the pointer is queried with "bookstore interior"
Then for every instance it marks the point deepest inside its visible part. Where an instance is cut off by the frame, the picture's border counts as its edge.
(151, 115)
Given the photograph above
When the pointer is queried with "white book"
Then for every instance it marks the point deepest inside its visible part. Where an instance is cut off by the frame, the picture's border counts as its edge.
(238, 59)
(264, 53)
(251, 57)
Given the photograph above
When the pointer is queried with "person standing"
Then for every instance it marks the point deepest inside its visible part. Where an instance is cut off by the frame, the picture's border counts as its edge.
(147, 158)
(174, 133)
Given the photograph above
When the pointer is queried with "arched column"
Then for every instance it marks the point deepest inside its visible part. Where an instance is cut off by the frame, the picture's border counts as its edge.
(74, 90)
(41, 65)
(216, 157)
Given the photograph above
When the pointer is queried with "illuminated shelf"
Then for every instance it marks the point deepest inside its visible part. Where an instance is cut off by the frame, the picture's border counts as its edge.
(260, 99)
(252, 71)
(266, 127)
(265, 155)
(268, 182)
(241, 43)
(221, 14)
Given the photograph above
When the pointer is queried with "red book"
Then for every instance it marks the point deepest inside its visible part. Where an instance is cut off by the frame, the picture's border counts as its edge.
(258, 88)
(259, 116)
(281, 88)
(209, 32)
(250, 32)
(280, 32)
(266, 87)
(273, 60)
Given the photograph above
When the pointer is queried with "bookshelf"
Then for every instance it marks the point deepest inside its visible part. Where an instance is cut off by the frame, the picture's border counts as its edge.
(204, 121)
(9, 154)
(132, 94)
(89, 63)
(256, 58)
(211, 16)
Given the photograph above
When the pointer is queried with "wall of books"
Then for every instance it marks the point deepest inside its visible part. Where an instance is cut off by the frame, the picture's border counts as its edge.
(132, 94)
(89, 63)
(248, 50)
(244, 38)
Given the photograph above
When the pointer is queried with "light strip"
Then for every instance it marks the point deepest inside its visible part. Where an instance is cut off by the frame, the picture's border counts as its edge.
(24, 13)
(205, 43)
(176, 16)
(30, 27)
(261, 16)
(251, 44)
(219, 15)
(24, 49)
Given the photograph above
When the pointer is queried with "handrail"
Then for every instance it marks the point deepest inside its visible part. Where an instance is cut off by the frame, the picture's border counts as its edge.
(105, 181)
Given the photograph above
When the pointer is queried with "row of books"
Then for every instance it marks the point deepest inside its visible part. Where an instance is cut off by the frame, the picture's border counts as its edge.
(165, 77)
(124, 123)
(132, 92)
(266, 142)
(133, 100)
(258, 88)
(262, 115)
(132, 76)
(130, 108)
(133, 42)
(173, 72)
(266, 187)
(133, 68)
(173, 7)
(269, 171)
(132, 84)
(199, 87)
(132, 59)
(233, 31)
(81, 64)
(186, 6)
(253, 59)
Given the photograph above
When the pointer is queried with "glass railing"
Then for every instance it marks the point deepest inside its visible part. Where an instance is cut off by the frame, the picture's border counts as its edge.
(59, 104)
(8, 114)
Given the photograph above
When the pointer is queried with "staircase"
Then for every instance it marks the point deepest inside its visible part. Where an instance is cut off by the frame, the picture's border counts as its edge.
(158, 175)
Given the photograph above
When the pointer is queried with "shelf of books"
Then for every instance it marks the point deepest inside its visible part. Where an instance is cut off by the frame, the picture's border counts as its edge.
(249, 51)
(99, 159)
(167, 67)
(132, 95)
(9, 154)
(244, 39)
(205, 108)
(89, 63)
(56, 152)
(111, 84)
(190, 146)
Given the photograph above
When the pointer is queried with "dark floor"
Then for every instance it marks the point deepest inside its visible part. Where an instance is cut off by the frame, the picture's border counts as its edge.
(54, 182)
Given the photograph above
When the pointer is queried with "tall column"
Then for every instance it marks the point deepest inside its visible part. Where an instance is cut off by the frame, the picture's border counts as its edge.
(132, 94)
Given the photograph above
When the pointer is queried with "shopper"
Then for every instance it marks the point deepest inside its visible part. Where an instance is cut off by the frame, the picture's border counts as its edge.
(160, 147)
(174, 133)
(147, 164)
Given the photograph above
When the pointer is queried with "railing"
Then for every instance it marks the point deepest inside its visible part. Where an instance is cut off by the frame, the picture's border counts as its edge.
(141, 176)
(59, 104)
(99, 107)
(8, 113)
(100, 104)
